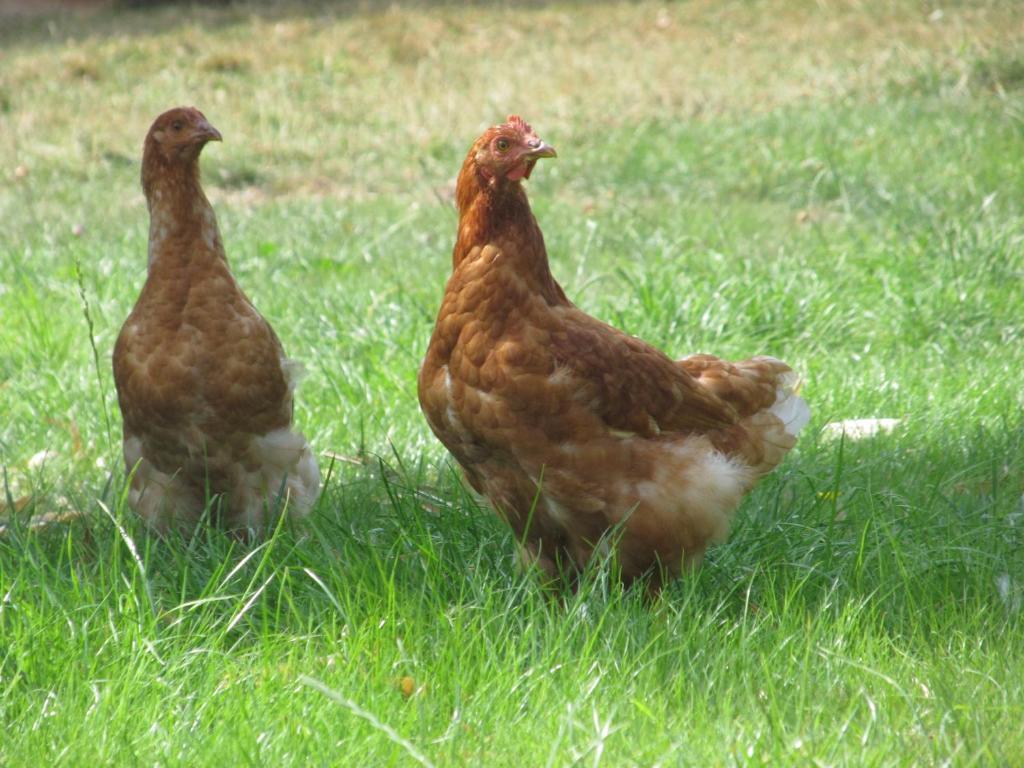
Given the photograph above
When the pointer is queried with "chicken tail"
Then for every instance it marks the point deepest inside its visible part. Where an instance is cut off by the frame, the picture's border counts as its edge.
(791, 409)
(771, 432)
(763, 391)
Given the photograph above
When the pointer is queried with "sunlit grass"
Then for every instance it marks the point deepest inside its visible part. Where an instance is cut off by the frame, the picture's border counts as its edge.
(839, 185)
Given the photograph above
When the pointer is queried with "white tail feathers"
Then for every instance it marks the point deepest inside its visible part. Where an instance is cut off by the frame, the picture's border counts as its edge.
(790, 408)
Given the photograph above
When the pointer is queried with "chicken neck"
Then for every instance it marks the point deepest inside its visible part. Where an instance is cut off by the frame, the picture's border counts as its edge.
(182, 224)
(499, 213)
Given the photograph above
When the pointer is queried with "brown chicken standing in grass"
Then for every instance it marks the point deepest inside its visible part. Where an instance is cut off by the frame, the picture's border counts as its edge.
(204, 387)
(580, 435)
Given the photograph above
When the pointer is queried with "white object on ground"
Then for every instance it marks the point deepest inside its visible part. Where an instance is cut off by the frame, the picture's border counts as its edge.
(857, 429)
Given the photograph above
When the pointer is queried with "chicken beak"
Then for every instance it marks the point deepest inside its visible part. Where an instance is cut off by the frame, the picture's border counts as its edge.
(206, 132)
(541, 150)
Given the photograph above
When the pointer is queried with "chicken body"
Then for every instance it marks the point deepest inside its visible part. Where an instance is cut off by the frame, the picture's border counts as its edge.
(204, 387)
(581, 436)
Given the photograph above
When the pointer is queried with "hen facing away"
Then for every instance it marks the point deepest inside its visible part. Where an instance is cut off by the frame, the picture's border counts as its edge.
(578, 434)
(204, 387)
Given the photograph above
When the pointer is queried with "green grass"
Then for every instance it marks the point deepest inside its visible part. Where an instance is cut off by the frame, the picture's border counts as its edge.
(839, 185)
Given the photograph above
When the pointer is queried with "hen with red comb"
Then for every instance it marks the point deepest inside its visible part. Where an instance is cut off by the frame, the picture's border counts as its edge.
(585, 440)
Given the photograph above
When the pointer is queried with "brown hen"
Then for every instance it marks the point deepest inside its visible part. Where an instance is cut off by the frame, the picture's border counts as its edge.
(204, 387)
(581, 436)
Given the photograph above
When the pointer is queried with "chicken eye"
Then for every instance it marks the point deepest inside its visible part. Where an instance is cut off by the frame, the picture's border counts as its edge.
(503, 145)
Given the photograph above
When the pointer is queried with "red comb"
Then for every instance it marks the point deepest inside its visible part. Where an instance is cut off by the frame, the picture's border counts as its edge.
(515, 121)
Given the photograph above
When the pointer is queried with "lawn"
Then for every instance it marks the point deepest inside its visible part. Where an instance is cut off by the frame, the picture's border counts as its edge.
(839, 184)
